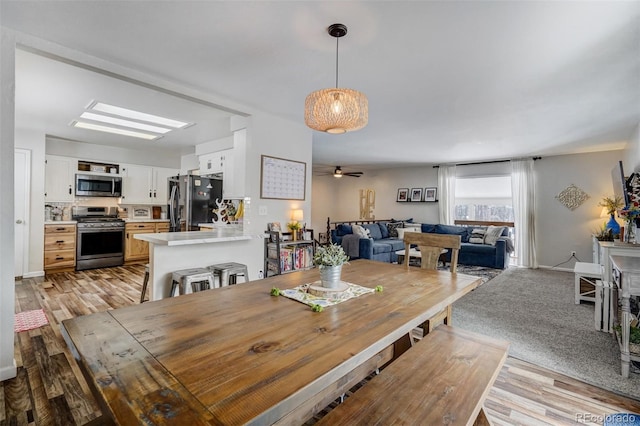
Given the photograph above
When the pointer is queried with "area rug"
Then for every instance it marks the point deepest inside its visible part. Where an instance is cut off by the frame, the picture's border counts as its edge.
(535, 311)
(480, 271)
(29, 320)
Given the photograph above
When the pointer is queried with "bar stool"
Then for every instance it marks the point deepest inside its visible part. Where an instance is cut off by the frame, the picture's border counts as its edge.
(191, 280)
(590, 273)
(144, 283)
(228, 272)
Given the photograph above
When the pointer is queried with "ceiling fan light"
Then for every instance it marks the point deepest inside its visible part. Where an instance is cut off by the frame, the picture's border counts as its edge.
(336, 110)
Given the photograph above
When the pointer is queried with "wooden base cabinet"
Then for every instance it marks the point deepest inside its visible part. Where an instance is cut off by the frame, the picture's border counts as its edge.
(59, 248)
(136, 251)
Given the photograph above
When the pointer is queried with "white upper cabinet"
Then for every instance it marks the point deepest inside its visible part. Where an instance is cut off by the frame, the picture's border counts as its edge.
(145, 184)
(60, 174)
(221, 162)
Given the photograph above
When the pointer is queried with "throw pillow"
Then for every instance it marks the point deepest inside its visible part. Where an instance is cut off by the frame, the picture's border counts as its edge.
(359, 231)
(492, 234)
(392, 227)
(477, 236)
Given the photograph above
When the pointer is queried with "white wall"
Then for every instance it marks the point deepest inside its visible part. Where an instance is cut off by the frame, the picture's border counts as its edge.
(7, 283)
(632, 153)
(560, 230)
(156, 157)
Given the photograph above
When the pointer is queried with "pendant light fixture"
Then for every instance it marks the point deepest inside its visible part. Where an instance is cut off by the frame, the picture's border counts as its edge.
(336, 110)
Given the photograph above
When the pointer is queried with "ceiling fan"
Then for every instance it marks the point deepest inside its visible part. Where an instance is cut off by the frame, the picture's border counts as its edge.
(338, 173)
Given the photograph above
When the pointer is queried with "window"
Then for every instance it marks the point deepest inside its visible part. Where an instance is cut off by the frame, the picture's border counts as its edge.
(486, 198)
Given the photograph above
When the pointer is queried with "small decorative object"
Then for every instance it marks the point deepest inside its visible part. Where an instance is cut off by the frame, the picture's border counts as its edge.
(329, 260)
(572, 197)
(367, 203)
(603, 234)
(416, 194)
(611, 205)
(403, 194)
(630, 213)
(294, 227)
(275, 291)
(220, 215)
(379, 289)
(430, 194)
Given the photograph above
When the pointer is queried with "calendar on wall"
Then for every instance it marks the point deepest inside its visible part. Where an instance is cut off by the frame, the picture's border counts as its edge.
(283, 179)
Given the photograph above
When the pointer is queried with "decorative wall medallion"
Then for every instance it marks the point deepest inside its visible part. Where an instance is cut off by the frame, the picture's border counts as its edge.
(572, 197)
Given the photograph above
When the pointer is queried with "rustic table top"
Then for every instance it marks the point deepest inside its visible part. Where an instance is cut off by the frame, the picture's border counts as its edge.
(237, 355)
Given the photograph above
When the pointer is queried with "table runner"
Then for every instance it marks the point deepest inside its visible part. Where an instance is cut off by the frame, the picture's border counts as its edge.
(300, 293)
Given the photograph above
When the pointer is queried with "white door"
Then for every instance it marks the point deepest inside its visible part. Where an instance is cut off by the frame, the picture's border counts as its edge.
(22, 185)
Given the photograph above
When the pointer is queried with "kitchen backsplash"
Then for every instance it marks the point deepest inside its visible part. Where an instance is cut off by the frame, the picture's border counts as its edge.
(62, 211)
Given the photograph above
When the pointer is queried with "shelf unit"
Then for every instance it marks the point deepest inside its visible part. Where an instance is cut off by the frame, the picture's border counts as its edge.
(282, 255)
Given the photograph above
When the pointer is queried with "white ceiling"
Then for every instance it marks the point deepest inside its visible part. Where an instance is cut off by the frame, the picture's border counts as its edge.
(446, 81)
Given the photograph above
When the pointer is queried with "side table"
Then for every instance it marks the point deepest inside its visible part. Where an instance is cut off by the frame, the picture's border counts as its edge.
(626, 276)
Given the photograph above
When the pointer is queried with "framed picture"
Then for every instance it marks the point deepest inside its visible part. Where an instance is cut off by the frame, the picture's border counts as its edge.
(403, 194)
(142, 212)
(416, 194)
(430, 194)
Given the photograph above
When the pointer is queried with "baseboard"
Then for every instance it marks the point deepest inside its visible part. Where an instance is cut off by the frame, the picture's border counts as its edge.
(10, 372)
(33, 274)
(555, 268)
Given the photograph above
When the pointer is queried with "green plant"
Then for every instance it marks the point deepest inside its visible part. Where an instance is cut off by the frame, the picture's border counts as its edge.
(612, 204)
(330, 255)
(603, 234)
(634, 334)
(294, 226)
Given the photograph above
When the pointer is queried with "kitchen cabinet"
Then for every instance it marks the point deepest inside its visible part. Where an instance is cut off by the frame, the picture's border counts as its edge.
(59, 178)
(221, 162)
(59, 247)
(137, 251)
(145, 184)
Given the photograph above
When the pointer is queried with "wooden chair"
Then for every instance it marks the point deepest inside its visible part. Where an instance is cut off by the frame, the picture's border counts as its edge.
(431, 248)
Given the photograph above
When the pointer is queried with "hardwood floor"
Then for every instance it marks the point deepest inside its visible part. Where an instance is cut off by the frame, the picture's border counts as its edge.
(50, 390)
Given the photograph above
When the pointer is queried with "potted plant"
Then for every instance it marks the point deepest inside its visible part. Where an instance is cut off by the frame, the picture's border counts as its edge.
(294, 227)
(329, 260)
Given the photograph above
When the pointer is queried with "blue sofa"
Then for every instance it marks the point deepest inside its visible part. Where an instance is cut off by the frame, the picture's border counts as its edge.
(382, 247)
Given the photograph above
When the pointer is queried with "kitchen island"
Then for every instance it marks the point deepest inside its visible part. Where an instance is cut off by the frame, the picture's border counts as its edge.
(172, 251)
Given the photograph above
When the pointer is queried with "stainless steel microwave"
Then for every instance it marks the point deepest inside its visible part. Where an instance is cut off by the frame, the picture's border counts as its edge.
(98, 186)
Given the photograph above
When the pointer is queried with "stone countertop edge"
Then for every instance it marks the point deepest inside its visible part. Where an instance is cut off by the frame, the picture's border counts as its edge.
(196, 237)
(129, 220)
(60, 222)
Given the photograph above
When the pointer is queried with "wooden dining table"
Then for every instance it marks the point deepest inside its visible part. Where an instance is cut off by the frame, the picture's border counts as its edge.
(237, 355)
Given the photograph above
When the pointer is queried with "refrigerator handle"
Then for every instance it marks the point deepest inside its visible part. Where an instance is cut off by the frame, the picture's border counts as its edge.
(172, 207)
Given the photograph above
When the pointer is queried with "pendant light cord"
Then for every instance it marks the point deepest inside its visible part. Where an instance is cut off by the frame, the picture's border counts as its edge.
(337, 48)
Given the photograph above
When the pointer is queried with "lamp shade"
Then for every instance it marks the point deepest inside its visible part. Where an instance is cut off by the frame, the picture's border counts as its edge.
(297, 215)
(336, 110)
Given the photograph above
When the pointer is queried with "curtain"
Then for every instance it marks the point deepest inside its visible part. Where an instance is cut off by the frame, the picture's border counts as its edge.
(447, 194)
(523, 193)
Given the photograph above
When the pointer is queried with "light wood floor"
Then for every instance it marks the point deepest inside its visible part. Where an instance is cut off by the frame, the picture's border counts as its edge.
(50, 390)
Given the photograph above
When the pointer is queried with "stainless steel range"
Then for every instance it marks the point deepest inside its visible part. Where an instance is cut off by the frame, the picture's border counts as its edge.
(100, 241)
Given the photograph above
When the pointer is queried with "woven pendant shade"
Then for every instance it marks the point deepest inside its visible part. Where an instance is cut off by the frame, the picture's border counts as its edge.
(336, 110)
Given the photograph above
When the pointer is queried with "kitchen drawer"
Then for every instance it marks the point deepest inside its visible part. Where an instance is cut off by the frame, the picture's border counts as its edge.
(59, 259)
(162, 227)
(58, 242)
(59, 229)
(147, 226)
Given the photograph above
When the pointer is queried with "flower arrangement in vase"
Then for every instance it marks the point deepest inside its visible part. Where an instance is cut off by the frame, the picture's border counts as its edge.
(294, 227)
(630, 213)
(611, 205)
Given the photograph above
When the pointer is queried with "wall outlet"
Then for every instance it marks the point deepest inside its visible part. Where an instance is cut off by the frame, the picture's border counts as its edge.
(573, 252)
(262, 210)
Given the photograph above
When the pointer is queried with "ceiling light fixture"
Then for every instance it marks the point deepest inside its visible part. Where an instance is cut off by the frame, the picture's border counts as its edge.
(118, 131)
(336, 110)
(125, 123)
(137, 115)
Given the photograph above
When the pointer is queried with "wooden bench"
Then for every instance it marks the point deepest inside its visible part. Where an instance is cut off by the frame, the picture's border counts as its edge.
(444, 379)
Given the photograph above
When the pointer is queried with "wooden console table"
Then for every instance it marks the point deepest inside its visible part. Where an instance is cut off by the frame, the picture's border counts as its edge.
(625, 271)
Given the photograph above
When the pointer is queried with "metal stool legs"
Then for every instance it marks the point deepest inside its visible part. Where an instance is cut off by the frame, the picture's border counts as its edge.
(228, 272)
(191, 280)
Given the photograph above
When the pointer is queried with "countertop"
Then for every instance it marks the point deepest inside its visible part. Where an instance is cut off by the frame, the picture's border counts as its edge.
(129, 220)
(206, 225)
(218, 235)
(60, 222)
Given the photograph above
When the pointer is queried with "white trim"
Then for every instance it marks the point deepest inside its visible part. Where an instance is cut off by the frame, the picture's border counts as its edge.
(7, 373)
(33, 274)
(27, 208)
(551, 268)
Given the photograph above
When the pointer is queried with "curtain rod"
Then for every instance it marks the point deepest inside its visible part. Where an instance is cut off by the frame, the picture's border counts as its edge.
(486, 162)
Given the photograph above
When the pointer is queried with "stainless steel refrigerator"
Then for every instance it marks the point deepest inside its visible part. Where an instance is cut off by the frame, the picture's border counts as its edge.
(191, 201)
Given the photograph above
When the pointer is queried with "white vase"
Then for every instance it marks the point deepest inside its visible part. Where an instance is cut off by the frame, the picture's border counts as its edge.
(330, 276)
